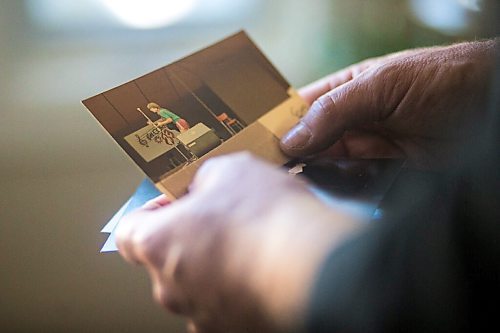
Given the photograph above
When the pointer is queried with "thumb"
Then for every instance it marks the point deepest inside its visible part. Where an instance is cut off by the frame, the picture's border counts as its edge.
(352, 105)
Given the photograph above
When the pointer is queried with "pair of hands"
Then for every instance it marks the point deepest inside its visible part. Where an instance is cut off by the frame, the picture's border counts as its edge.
(243, 258)
(234, 258)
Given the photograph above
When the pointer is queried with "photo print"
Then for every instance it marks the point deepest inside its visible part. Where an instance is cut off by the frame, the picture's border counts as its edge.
(215, 101)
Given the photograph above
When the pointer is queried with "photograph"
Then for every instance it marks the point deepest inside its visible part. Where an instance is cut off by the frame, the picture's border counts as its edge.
(169, 118)
(249, 166)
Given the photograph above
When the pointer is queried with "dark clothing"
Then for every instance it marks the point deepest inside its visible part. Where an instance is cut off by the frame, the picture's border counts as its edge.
(433, 264)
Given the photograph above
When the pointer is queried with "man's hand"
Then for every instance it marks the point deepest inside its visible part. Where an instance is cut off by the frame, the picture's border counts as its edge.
(240, 251)
(421, 103)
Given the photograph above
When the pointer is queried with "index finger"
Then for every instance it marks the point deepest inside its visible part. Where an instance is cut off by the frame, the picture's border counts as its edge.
(158, 202)
(316, 89)
(142, 237)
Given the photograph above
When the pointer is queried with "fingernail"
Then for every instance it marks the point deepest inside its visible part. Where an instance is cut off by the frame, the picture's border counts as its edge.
(298, 137)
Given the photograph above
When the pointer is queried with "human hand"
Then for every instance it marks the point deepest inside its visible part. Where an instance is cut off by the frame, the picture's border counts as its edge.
(422, 104)
(240, 251)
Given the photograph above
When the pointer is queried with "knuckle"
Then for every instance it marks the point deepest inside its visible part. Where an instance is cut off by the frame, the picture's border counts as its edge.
(210, 167)
(207, 165)
(393, 71)
(319, 107)
(323, 108)
(382, 72)
(146, 249)
(139, 240)
(321, 113)
(136, 239)
(221, 166)
(229, 160)
(124, 232)
(239, 159)
(165, 298)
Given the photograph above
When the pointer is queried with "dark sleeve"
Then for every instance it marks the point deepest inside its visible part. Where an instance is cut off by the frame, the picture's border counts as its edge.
(401, 273)
(433, 265)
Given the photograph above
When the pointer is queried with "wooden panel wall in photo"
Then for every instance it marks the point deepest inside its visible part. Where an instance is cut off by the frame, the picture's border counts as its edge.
(157, 88)
(255, 52)
(104, 112)
(183, 78)
(246, 86)
(214, 53)
(126, 99)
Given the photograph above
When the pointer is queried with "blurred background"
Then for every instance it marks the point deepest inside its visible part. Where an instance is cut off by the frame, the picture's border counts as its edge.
(61, 175)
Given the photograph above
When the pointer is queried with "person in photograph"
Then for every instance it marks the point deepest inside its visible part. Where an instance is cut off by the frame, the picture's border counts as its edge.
(168, 117)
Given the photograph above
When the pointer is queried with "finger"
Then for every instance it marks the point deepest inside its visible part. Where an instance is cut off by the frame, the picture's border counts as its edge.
(143, 236)
(127, 227)
(123, 236)
(222, 170)
(158, 202)
(362, 145)
(196, 327)
(369, 98)
(170, 294)
(191, 327)
(314, 90)
(204, 174)
(156, 239)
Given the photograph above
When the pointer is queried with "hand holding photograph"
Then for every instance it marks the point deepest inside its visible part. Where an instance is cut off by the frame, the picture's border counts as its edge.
(225, 98)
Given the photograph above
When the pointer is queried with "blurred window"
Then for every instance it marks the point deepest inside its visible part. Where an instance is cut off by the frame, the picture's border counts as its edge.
(96, 15)
(447, 16)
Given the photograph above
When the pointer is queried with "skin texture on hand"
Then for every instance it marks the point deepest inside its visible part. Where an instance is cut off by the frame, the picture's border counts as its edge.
(238, 253)
(422, 104)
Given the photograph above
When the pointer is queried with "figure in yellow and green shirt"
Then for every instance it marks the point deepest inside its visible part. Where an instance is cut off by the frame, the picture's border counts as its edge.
(168, 117)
